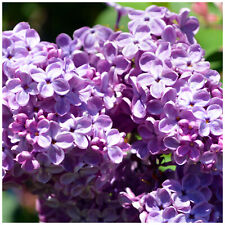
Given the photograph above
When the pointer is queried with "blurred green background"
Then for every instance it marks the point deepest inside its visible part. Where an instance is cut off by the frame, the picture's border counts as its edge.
(51, 19)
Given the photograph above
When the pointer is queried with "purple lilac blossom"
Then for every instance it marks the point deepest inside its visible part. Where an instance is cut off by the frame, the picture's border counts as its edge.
(87, 121)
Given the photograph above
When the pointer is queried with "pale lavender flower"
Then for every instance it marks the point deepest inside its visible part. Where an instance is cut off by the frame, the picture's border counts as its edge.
(27, 161)
(49, 81)
(210, 121)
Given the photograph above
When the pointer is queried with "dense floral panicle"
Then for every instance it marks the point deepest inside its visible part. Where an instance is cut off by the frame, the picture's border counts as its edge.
(87, 121)
(186, 199)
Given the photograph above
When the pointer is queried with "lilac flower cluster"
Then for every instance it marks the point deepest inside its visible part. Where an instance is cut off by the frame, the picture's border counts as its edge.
(86, 121)
(181, 200)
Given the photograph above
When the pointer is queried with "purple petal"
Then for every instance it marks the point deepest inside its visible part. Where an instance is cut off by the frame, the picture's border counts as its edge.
(171, 142)
(169, 95)
(153, 146)
(115, 154)
(178, 57)
(93, 157)
(195, 53)
(14, 85)
(170, 110)
(180, 160)
(80, 140)
(64, 140)
(122, 64)
(43, 125)
(84, 125)
(103, 66)
(38, 75)
(157, 26)
(194, 154)
(157, 89)
(54, 70)
(124, 39)
(113, 137)
(32, 89)
(154, 217)
(169, 77)
(181, 203)
(180, 218)
(185, 97)
(73, 98)
(190, 182)
(54, 129)
(204, 129)
(79, 32)
(23, 156)
(46, 90)
(146, 132)
(201, 98)
(62, 106)
(135, 14)
(138, 109)
(56, 155)
(199, 112)
(202, 209)
(163, 51)
(80, 58)
(196, 196)
(196, 81)
(147, 45)
(141, 149)
(183, 150)
(43, 176)
(169, 212)
(89, 40)
(214, 111)
(206, 193)
(142, 31)
(216, 127)
(208, 157)
(63, 40)
(110, 51)
(202, 66)
(32, 38)
(145, 61)
(172, 185)
(167, 125)
(21, 26)
(169, 34)
(103, 122)
(145, 79)
(44, 141)
(61, 86)
(22, 98)
(30, 165)
(150, 203)
(130, 50)
(213, 76)
(67, 178)
(163, 197)
(156, 68)
(155, 107)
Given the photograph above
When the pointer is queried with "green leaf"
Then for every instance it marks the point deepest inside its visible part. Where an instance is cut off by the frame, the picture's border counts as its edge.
(177, 6)
(216, 61)
(135, 5)
(9, 205)
(164, 168)
(108, 18)
(166, 158)
(214, 9)
(210, 39)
